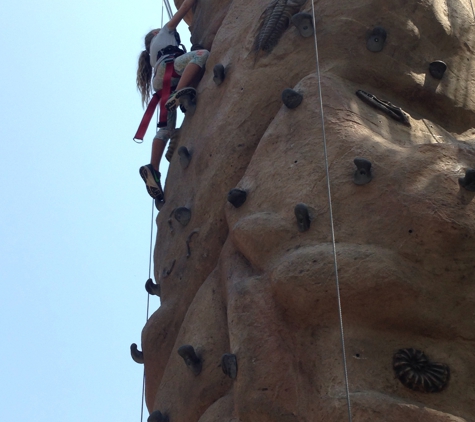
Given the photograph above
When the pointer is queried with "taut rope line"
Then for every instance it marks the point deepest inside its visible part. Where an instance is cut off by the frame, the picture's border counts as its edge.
(335, 263)
(148, 302)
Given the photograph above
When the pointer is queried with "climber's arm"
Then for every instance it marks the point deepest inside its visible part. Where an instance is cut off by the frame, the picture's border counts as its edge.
(180, 14)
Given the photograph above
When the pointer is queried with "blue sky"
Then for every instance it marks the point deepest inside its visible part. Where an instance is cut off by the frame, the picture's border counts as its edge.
(74, 216)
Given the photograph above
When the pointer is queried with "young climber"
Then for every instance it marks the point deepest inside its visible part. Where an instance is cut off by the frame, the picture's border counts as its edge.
(161, 45)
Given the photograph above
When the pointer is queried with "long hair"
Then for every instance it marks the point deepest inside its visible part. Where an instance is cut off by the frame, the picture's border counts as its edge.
(145, 71)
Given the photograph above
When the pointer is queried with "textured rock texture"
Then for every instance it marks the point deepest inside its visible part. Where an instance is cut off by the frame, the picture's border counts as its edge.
(256, 286)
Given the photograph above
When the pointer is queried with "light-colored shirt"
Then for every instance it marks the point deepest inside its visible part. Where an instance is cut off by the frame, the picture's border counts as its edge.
(163, 39)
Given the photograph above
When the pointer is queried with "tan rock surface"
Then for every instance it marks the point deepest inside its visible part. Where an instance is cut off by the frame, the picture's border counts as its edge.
(257, 287)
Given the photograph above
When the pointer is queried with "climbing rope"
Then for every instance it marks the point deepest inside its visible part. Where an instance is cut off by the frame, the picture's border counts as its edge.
(335, 263)
(169, 9)
(148, 302)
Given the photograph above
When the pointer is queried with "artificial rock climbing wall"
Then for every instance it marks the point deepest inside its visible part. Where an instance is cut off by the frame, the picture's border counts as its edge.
(257, 282)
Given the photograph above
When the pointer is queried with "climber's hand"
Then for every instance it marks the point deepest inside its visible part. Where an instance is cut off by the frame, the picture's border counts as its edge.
(180, 14)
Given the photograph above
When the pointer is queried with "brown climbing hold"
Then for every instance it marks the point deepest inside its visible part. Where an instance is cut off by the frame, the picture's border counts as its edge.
(187, 352)
(291, 98)
(136, 354)
(362, 174)
(185, 157)
(152, 288)
(237, 197)
(276, 21)
(304, 24)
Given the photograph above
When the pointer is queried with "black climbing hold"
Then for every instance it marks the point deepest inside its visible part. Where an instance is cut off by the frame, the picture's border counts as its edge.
(291, 98)
(187, 352)
(417, 372)
(385, 106)
(304, 23)
(185, 157)
(218, 74)
(152, 288)
(159, 203)
(182, 215)
(188, 241)
(363, 174)
(376, 40)
(468, 182)
(237, 197)
(157, 416)
(229, 365)
(437, 69)
(136, 354)
(303, 217)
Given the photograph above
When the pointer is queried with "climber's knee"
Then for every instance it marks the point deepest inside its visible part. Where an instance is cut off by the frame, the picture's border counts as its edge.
(162, 135)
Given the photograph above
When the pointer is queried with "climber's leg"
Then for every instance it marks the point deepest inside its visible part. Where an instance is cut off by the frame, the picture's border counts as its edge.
(149, 172)
(158, 146)
(191, 68)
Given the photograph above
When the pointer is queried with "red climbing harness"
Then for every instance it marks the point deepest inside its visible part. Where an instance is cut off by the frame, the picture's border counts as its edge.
(161, 96)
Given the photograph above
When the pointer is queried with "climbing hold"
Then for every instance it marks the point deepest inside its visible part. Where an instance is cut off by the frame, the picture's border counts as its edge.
(303, 217)
(152, 288)
(437, 69)
(385, 106)
(218, 74)
(275, 22)
(291, 98)
(173, 143)
(188, 104)
(362, 175)
(304, 23)
(182, 215)
(188, 241)
(417, 372)
(165, 272)
(159, 203)
(185, 157)
(187, 352)
(136, 354)
(157, 416)
(468, 182)
(229, 365)
(237, 197)
(376, 39)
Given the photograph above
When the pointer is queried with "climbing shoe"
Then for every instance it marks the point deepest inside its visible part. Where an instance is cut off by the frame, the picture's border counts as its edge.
(151, 177)
(174, 100)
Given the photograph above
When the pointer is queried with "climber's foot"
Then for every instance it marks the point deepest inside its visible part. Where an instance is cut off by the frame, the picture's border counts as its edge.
(176, 98)
(151, 177)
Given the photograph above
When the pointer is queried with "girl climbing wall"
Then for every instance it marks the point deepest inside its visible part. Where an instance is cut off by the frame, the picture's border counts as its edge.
(162, 47)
